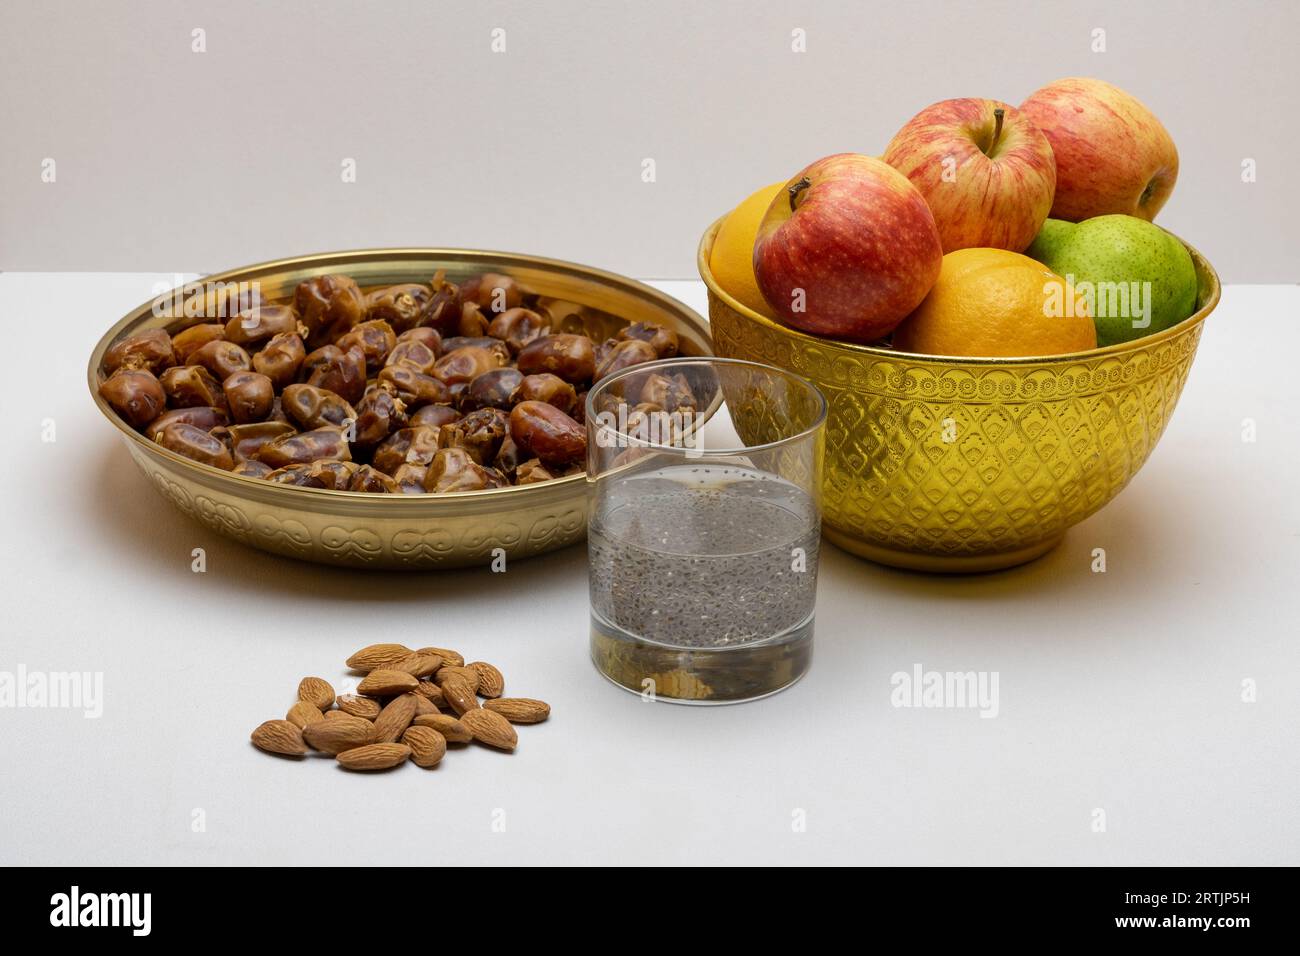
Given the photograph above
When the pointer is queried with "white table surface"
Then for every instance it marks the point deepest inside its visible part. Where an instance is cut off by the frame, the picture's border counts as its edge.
(1119, 691)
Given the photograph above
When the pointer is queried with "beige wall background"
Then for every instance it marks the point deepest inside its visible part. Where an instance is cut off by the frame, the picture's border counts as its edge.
(170, 159)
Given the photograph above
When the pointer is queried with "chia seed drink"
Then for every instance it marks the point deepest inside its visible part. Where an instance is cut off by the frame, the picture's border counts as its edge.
(703, 581)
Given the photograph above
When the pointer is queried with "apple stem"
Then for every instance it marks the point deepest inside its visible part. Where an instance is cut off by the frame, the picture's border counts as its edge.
(796, 189)
(998, 115)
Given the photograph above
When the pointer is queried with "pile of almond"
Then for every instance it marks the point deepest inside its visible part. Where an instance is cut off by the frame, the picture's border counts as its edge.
(399, 710)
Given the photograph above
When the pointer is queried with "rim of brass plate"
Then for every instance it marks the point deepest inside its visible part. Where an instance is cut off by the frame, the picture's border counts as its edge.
(1207, 305)
(292, 270)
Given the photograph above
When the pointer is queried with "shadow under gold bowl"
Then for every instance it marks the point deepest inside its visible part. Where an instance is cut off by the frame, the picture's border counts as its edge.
(400, 531)
(971, 464)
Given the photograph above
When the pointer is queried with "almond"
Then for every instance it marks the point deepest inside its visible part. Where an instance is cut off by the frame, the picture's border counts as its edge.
(432, 692)
(359, 706)
(459, 694)
(490, 681)
(378, 655)
(468, 675)
(427, 745)
(520, 710)
(374, 756)
(451, 728)
(339, 734)
(394, 719)
(316, 690)
(418, 665)
(302, 713)
(454, 658)
(386, 683)
(423, 705)
(279, 737)
(409, 704)
(490, 728)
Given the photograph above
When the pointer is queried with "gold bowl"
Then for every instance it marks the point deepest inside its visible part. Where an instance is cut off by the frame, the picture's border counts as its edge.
(971, 464)
(401, 531)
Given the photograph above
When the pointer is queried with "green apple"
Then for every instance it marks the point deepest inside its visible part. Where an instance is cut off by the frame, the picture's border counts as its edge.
(1137, 278)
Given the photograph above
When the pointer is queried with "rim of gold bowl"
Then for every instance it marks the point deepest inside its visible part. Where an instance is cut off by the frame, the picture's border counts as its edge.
(300, 266)
(1207, 297)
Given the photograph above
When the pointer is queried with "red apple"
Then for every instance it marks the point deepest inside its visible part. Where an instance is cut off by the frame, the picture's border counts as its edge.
(847, 249)
(1112, 154)
(986, 171)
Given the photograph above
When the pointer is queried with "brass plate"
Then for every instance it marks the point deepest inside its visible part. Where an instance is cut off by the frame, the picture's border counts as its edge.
(402, 531)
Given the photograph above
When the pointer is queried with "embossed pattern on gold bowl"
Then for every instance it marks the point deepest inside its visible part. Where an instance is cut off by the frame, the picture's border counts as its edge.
(402, 531)
(970, 464)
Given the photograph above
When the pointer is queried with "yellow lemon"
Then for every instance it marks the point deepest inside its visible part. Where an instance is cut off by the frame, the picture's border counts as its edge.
(995, 303)
(732, 259)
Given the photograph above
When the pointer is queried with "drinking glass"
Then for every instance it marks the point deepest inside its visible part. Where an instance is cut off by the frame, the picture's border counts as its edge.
(704, 478)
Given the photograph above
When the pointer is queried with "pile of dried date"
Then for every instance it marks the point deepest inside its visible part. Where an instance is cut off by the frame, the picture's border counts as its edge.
(398, 711)
(415, 388)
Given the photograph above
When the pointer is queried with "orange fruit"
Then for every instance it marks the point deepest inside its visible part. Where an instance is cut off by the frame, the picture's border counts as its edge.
(732, 258)
(995, 303)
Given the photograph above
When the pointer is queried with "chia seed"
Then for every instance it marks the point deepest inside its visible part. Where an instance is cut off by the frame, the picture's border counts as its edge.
(704, 559)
